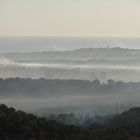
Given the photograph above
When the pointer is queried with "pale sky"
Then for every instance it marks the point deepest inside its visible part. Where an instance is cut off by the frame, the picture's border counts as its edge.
(120, 18)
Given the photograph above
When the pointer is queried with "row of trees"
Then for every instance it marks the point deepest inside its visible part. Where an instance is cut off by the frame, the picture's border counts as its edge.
(38, 87)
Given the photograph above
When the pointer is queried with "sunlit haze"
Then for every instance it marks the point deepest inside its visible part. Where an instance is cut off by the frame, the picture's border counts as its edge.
(120, 18)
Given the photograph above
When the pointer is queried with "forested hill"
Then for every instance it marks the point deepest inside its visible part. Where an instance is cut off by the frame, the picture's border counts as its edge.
(47, 87)
(83, 53)
(18, 125)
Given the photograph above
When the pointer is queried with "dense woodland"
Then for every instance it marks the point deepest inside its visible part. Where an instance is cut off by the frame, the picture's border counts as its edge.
(18, 125)
(38, 87)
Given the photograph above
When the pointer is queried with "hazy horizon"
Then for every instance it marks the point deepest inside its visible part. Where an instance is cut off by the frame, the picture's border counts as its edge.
(35, 44)
(52, 25)
(70, 18)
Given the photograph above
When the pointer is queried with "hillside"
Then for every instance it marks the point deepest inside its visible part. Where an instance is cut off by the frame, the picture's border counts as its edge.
(16, 124)
(78, 54)
(82, 56)
(61, 96)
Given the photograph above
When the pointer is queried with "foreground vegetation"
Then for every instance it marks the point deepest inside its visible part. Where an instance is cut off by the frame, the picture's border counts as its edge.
(18, 125)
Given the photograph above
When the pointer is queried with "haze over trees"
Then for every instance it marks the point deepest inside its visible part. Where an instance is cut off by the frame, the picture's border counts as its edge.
(74, 95)
(71, 68)
(84, 64)
(69, 96)
(11, 87)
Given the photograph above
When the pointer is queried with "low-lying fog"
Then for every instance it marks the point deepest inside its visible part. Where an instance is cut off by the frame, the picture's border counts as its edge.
(103, 72)
(44, 96)
(71, 96)
(82, 104)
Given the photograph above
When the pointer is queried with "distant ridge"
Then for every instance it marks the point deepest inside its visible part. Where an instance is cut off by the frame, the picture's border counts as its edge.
(77, 54)
(80, 49)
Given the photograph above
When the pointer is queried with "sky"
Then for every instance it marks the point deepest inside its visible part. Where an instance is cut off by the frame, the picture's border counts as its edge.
(98, 18)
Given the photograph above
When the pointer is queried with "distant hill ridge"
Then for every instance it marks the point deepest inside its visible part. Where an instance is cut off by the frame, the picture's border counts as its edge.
(78, 54)
(80, 49)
